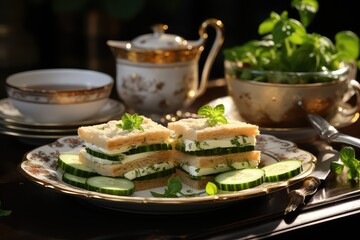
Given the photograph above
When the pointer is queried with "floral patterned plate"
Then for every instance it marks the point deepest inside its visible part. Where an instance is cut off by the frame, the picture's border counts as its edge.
(41, 166)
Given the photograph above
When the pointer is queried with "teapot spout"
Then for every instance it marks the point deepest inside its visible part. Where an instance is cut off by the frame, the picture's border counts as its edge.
(118, 48)
(117, 44)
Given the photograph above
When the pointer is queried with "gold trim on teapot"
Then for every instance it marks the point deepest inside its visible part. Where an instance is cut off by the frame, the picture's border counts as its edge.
(178, 50)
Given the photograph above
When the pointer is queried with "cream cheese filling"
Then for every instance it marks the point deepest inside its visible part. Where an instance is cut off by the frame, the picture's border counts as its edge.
(107, 151)
(128, 158)
(191, 145)
(157, 167)
(113, 152)
(138, 172)
(195, 171)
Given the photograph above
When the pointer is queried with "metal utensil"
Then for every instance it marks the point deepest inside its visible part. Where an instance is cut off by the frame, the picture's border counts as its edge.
(329, 133)
(314, 180)
(310, 185)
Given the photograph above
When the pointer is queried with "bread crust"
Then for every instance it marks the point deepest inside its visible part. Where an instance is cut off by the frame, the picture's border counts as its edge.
(197, 129)
(118, 170)
(191, 182)
(109, 136)
(151, 183)
(214, 160)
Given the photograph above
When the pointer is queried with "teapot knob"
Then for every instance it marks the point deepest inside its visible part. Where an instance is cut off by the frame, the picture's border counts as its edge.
(159, 29)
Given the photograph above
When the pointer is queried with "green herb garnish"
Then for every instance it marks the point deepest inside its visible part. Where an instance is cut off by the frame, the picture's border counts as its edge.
(286, 46)
(347, 159)
(215, 115)
(131, 122)
(3, 212)
(173, 190)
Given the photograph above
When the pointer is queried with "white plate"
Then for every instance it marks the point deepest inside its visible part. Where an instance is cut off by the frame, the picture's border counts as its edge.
(36, 130)
(9, 114)
(40, 165)
(12, 123)
(292, 134)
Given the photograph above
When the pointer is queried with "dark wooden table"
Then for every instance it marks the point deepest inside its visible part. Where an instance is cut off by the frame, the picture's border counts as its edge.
(41, 213)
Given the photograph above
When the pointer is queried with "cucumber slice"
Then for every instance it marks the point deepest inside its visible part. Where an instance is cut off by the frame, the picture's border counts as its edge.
(166, 172)
(136, 150)
(216, 151)
(74, 180)
(110, 185)
(70, 163)
(150, 148)
(282, 170)
(240, 179)
(114, 158)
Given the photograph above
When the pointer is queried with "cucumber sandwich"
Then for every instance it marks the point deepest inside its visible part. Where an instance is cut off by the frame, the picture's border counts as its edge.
(135, 148)
(207, 146)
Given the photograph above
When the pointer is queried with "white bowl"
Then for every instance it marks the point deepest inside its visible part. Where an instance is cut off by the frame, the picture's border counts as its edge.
(59, 95)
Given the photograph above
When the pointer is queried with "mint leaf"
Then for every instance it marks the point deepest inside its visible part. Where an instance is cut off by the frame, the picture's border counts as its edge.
(3, 212)
(173, 190)
(174, 186)
(347, 43)
(348, 159)
(337, 167)
(286, 46)
(214, 115)
(307, 10)
(131, 122)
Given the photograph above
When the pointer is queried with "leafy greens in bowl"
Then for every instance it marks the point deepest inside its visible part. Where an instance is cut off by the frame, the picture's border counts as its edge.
(286, 46)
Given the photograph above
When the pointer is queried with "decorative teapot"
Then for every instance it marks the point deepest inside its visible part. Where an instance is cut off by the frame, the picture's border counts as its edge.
(158, 73)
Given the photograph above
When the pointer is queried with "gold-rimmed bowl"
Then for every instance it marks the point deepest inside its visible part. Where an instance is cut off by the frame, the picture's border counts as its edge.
(59, 95)
(273, 99)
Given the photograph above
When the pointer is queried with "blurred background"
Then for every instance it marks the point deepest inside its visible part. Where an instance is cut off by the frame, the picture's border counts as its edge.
(37, 34)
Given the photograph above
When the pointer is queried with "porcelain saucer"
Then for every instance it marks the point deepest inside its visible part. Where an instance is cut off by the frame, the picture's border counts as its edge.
(10, 115)
(14, 124)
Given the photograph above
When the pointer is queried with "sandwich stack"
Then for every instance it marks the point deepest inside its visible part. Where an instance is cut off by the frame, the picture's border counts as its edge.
(141, 154)
(202, 150)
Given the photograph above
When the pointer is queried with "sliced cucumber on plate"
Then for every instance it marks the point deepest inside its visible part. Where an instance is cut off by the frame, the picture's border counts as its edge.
(240, 179)
(282, 170)
(74, 180)
(110, 185)
(70, 163)
(79, 175)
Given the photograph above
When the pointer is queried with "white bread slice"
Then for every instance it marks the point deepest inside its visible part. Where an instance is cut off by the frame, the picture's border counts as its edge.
(253, 157)
(119, 169)
(197, 129)
(151, 183)
(109, 136)
(191, 182)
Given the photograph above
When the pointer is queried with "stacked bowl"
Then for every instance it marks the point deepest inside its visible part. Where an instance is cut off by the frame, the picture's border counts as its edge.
(50, 103)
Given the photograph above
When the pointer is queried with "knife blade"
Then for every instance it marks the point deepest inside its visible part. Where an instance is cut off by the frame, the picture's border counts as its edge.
(311, 183)
(329, 133)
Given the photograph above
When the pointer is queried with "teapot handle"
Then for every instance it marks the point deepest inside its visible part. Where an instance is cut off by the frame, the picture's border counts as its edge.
(219, 39)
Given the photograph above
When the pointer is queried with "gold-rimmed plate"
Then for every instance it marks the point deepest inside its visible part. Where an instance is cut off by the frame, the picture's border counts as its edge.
(36, 130)
(41, 166)
(10, 115)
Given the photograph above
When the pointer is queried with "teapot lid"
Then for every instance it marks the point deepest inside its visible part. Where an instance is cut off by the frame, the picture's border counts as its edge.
(159, 39)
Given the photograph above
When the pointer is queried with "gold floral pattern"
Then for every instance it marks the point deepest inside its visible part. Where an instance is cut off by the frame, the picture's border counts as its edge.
(41, 166)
